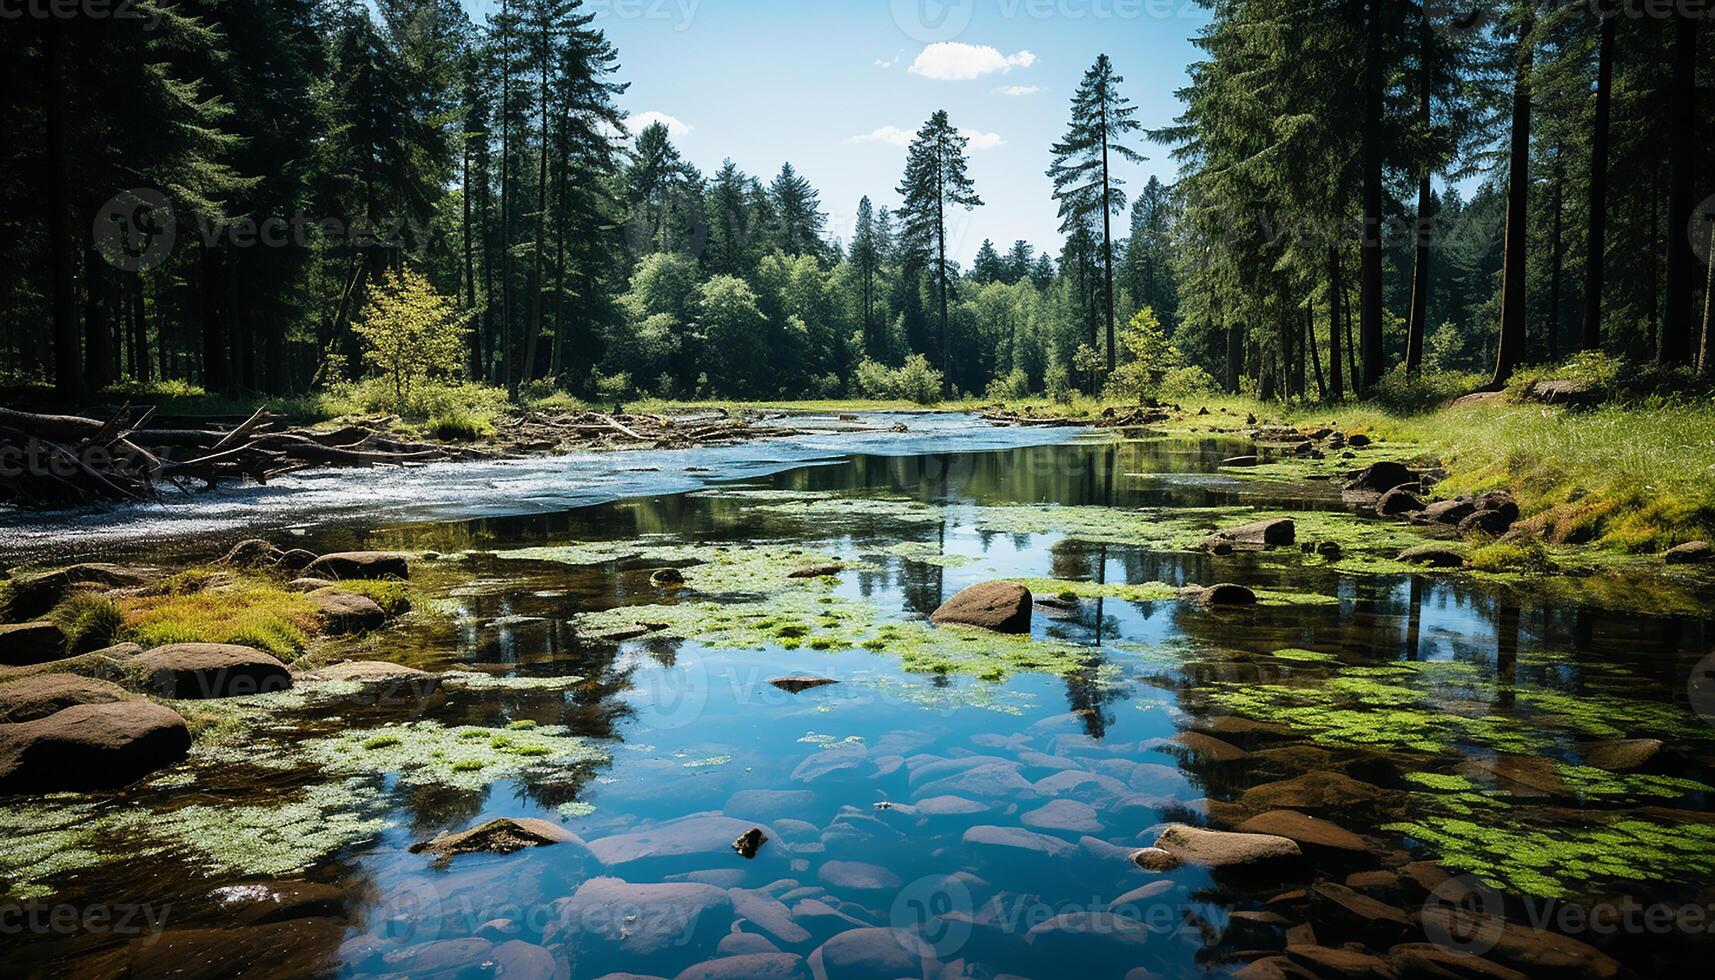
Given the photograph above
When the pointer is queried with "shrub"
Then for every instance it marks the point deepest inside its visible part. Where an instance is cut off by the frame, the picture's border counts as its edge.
(1184, 381)
(913, 381)
(1408, 394)
(411, 333)
(1057, 381)
(1014, 386)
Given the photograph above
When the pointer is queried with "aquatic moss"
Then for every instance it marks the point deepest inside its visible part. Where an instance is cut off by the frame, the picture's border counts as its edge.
(841, 508)
(1155, 592)
(426, 753)
(1558, 860)
(43, 841)
(714, 569)
(923, 553)
(575, 810)
(473, 680)
(280, 837)
(1304, 656)
(1441, 782)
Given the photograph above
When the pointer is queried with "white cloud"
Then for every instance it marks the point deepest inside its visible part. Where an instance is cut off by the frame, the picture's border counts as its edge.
(952, 61)
(1017, 90)
(891, 135)
(889, 62)
(638, 122)
(981, 141)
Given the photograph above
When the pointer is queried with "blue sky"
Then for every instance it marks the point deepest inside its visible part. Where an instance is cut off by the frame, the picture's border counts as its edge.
(835, 86)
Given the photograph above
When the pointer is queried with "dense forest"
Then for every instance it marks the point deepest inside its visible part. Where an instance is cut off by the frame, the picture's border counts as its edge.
(211, 194)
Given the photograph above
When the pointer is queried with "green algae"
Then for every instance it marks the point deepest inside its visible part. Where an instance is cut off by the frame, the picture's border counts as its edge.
(45, 840)
(1304, 656)
(575, 810)
(856, 508)
(712, 569)
(922, 553)
(1155, 592)
(1563, 859)
(425, 753)
(280, 837)
(475, 681)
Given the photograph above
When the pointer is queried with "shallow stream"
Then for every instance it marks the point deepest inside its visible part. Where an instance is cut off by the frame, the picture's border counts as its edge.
(954, 801)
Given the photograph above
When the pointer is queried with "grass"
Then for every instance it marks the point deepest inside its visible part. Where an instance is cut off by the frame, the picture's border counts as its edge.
(89, 622)
(393, 596)
(251, 611)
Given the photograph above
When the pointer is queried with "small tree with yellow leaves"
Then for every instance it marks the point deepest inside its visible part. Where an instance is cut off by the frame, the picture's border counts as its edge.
(411, 332)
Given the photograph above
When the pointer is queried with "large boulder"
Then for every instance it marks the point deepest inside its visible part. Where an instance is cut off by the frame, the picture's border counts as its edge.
(1000, 606)
(368, 672)
(1384, 476)
(648, 929)
(23, 644)
(347, 612)
(1100, 943)
(1493, 523)
(749, 966)
(1399, 500)
(686, 844)
(1690, 553)
(1225, 594)
(1265, 533)
(1448, 511)
(1221, 849)
(90, 747)
(873, 952)
(211, 670)
(40, 695)
(359, 564)
(1304, 829)
(31, 596)
(1564, 391)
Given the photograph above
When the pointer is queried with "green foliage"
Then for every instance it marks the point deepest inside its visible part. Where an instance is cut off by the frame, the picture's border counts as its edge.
(252, 611)
(90, 622)
(1013, 386)
(412, 333)
(913, 381)
(1151, 357)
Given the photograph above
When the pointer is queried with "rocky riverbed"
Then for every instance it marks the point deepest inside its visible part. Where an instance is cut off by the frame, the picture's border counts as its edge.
(1127, 702)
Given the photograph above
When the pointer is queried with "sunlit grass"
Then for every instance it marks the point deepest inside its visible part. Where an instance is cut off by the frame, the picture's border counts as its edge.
(251, 612)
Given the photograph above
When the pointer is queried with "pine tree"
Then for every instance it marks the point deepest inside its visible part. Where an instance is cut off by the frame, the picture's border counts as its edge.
(1018, 261)
(1083, 179)
(865, 258)
(935, 179)
(987, 267)
(799, 221)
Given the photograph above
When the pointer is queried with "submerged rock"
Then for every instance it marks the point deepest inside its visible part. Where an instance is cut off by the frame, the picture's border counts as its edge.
(872, 952)
(1222, 849)
(749, 966)
(359, 564)
(369, 672)
(792, 685)
(346, 612)
(91, 746)
(1154, 859)
(1617, 755)
(1225, 594)
(649, 929)
(857, 876)
(1000, 606)
(24, 644)
(1433, 555)
(1305, 830)
(293, 948)
(685, 844)
(501, 836)
(41, 695)
(667, 578)
(211, 670)
(817, 571)
(1069, 816)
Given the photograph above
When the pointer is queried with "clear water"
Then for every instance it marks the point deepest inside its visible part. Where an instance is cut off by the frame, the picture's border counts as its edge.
(839, 776)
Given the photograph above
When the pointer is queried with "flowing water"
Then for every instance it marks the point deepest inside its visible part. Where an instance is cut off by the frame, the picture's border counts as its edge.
(953, 802)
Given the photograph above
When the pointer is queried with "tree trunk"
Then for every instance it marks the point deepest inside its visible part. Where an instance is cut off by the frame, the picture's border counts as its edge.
(1107, 231)
(1315, 355)
(1510, 349)
(1681, 107)
(534, 338)
(68, 377)
(505, 175)
(1592, 334)
(1336, 289)
(476, 339)
(1370, 273)
(1419, 312)
(216, 378)
(1557, 259)
(1704, 351)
